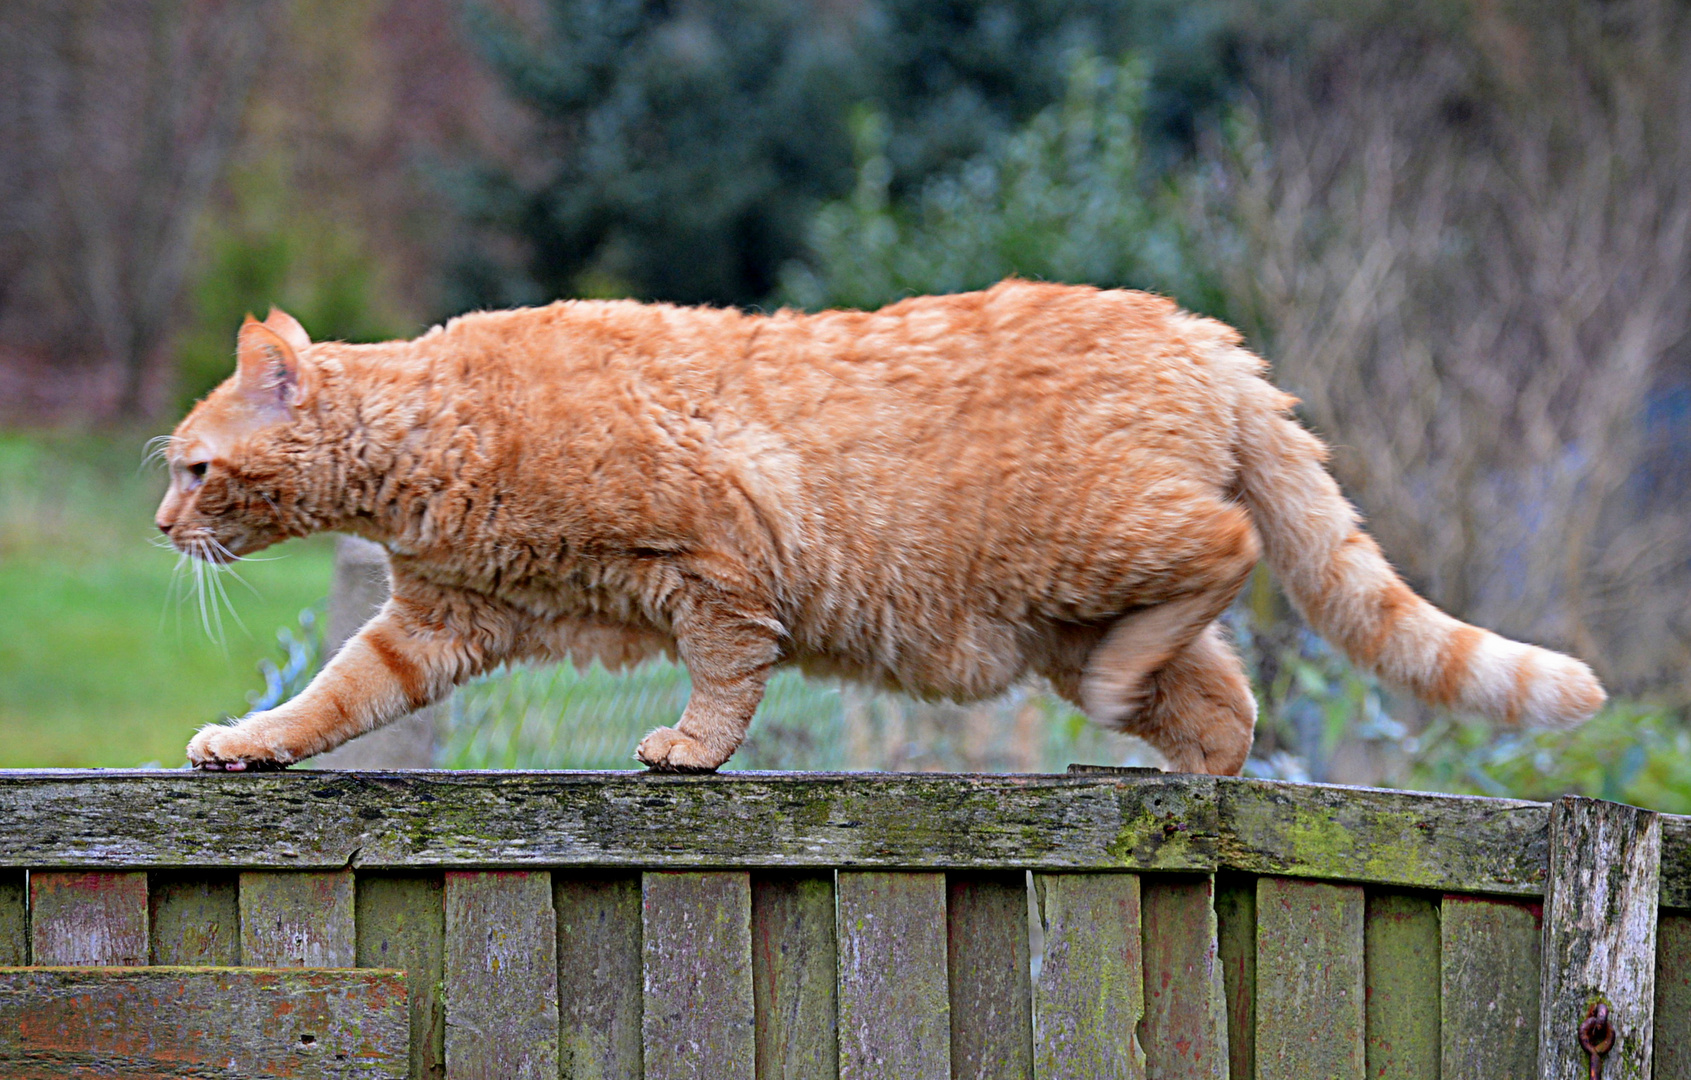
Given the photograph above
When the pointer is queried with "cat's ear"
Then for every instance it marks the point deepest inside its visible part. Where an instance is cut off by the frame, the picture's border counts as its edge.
(269, 372)
(288, 329)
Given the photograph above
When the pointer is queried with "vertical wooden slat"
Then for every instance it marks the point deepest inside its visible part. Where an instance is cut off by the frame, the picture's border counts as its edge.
(1673, 997)
(1184, 1032)
(795, 956)
(196, 918)
(1236, 943)
(599, 975)
(297, 919)
(991, 999)
(1600, 905)
(401, 923)
(1309, 980)
(88, 919)
(895, 1017)
(1402, 962)
(1488, 994)
(501, 976)
(1089, 997)
(699, 1018)
(14, 920)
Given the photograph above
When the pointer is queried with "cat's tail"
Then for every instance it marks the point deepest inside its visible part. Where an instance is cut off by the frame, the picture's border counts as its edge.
(1344, 587)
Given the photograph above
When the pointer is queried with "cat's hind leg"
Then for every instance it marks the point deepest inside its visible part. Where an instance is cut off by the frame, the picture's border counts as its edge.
(1115, 684)
(1201, 713)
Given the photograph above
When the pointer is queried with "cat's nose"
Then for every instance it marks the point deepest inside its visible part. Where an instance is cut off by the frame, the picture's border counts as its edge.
(165, 526)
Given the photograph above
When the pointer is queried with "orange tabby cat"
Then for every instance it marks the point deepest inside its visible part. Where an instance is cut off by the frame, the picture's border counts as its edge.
(942, 497)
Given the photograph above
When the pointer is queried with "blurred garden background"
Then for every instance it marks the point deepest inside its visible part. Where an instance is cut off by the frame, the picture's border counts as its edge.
(1460, 229)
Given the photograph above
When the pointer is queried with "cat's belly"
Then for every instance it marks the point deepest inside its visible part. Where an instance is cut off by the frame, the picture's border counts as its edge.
(965, 659)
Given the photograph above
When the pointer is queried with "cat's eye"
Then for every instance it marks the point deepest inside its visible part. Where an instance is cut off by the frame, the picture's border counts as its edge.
(198, 468)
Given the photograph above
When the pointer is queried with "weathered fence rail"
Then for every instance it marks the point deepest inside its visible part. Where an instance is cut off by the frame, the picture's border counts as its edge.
(861, 926)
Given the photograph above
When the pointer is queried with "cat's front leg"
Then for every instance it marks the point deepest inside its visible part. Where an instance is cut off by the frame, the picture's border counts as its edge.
(729, 650)
(403, 658)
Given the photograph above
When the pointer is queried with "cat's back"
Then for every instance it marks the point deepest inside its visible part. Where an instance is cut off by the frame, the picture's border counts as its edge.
(1034, 375)
(1017, 348)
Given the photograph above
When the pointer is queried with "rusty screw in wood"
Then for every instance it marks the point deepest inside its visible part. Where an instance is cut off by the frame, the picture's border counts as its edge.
(1596, 1035)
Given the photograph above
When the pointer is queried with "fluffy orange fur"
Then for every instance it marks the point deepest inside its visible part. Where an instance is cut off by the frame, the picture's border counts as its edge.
(942, 497)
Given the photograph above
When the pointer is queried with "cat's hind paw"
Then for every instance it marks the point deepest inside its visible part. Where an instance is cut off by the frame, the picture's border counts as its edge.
(229, 748)
(667, 750)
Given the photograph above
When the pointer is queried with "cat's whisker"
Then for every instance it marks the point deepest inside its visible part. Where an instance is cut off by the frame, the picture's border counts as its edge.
(172, 593)
(214, 591)
(228, 566)
(220, 594)
(211, 618)
(155, 450)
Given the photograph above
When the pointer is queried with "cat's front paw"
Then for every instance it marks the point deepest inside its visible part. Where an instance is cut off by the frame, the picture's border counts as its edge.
(667, 750)
(235, 748)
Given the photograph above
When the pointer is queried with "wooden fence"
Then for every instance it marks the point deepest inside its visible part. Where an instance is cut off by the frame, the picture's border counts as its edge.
(905, 927)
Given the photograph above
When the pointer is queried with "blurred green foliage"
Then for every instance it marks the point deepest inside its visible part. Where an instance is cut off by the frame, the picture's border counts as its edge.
(687, 146)
(1631, 752)
(1065, 198)
(262, 250)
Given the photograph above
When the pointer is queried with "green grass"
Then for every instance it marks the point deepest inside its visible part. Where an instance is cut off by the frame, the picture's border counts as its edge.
(102, 661)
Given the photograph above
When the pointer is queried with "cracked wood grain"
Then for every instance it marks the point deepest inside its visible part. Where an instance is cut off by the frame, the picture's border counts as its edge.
(297, 919)
(698, 1021)
(1089, 997)
(501, 973)
(1600, 911)
(88, 919)
(795, 957)
(894, 1003)
(1309, 981)
(1488, 995)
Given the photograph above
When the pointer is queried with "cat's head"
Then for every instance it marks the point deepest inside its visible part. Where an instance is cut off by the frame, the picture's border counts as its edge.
(237, 460)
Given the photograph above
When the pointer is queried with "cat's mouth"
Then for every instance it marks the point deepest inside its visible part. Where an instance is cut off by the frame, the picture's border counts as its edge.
(202, 545)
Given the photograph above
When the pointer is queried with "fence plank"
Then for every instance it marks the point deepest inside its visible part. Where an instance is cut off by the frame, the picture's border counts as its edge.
(195, 917)
(1309, 981)
(1488, 995)
(14, 919)
(1401, 935)
(1089, 997)
(87, 919)
(501, 976)
(312, 819)
(1236, 945)
(401, 923)
(298, 919)
(320, 819)
(698, 1019)
(1184, 1032)
(991, 1000)
(1451, 843)
(893, 998)
(1673, 997)
(599, 975)
(1600, 935)
(159, 1022)
(795, 958)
